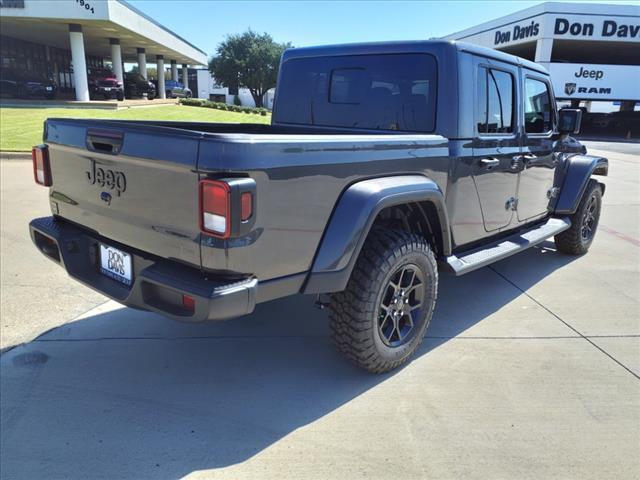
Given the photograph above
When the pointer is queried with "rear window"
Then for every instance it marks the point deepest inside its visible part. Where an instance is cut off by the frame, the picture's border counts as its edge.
(369, 92)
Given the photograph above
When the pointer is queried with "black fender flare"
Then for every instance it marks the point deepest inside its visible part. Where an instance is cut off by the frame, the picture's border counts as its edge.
(577, 172)
(353, 217)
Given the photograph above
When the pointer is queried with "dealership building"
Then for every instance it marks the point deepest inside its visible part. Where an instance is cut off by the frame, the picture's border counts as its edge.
(592, 51)
(62, 39)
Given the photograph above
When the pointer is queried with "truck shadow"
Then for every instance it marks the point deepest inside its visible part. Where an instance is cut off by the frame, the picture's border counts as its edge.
(127, 394)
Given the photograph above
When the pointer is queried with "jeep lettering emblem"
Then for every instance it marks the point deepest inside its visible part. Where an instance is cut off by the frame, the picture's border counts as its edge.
(569, 88)
(106, 178)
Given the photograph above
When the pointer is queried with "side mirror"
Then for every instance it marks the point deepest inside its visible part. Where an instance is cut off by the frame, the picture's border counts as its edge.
(569, 120)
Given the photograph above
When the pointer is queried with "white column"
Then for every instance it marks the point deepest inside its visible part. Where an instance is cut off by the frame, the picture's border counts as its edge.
(142, 63)
(160, 68)
(185, 75)
(116, 59)
(174, 71)
(79, 63)
(543, 50)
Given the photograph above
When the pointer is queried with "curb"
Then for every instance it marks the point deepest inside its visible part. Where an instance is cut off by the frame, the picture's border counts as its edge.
(15, 155)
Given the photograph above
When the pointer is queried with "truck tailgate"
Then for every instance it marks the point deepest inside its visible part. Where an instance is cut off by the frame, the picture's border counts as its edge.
(133, 184)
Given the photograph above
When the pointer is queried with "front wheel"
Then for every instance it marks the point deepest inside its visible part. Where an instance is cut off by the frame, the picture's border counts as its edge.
(577, 239)
(379, 320)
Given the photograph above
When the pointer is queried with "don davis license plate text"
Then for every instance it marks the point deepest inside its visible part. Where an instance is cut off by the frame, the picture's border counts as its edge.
(116, 264)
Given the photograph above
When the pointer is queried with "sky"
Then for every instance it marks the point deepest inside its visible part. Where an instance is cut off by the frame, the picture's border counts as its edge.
(205, 23)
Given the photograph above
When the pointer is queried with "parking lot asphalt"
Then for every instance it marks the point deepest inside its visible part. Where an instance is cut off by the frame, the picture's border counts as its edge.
(530, 369)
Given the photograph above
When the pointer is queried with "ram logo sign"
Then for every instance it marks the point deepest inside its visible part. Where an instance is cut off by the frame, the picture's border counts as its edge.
(569, 88)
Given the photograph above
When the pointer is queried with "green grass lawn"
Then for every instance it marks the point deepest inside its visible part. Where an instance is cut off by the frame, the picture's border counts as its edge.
(21, 128)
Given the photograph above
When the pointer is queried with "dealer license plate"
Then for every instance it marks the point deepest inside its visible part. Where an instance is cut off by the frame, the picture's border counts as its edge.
(116, 264)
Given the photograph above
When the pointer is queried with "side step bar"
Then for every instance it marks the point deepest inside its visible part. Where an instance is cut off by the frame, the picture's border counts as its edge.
(465, 262)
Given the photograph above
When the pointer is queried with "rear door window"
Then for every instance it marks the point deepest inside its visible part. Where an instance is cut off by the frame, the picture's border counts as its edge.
(495, 111)
(372, 92)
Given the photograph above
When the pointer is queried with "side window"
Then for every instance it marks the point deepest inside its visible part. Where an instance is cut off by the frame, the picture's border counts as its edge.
(538, 113)
(495, 101)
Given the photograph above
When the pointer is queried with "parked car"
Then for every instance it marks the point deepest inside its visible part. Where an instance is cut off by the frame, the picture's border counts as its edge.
(135, 85)
(626, 121)
(24, 84)
(176, 89)
(383, 162)
(103, 84)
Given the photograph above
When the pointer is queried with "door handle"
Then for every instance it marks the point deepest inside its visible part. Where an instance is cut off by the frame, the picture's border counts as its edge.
(489, 162)
(105, 141)
(529, 158)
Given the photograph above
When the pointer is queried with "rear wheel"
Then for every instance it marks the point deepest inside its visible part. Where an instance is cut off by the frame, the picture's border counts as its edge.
(379, 320)
(584, 222)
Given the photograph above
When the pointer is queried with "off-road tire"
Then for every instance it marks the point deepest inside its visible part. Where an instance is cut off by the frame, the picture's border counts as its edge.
(354, 312)
(572, 241)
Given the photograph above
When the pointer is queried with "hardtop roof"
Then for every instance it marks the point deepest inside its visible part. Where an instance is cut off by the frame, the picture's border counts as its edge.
(416, 46)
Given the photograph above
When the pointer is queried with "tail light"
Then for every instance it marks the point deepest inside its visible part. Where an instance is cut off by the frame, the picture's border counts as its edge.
(215, 201)
(227, 207)
(188, 302)
(246, 209)
(41, 165)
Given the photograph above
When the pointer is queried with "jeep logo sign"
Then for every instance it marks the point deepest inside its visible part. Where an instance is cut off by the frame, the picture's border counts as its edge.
(595, 82)
(584, 73)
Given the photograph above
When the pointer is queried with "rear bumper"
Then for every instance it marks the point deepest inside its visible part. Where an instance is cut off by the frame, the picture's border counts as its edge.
(158, 284)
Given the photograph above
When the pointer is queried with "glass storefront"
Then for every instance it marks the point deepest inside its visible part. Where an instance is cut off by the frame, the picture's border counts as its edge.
(42, 61)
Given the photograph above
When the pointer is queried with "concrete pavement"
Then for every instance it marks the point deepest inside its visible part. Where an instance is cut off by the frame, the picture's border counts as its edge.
(530, 369)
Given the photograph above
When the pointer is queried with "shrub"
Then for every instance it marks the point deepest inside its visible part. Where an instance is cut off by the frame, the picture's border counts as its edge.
(194, 102)
(199, 102)
(237, 101)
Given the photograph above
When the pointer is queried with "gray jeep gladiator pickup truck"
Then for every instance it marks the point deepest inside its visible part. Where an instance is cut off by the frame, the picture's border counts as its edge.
(382, 162)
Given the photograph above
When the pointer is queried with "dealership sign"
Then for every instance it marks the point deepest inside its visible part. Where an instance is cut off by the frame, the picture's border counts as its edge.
(595, 82)
(601, 29)
(574, 27)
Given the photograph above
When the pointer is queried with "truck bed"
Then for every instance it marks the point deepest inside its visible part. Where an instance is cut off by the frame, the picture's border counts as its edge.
(300, 173)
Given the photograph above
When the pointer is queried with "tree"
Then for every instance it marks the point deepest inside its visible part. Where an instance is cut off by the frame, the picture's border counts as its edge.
(151, 72)
(248, 60)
